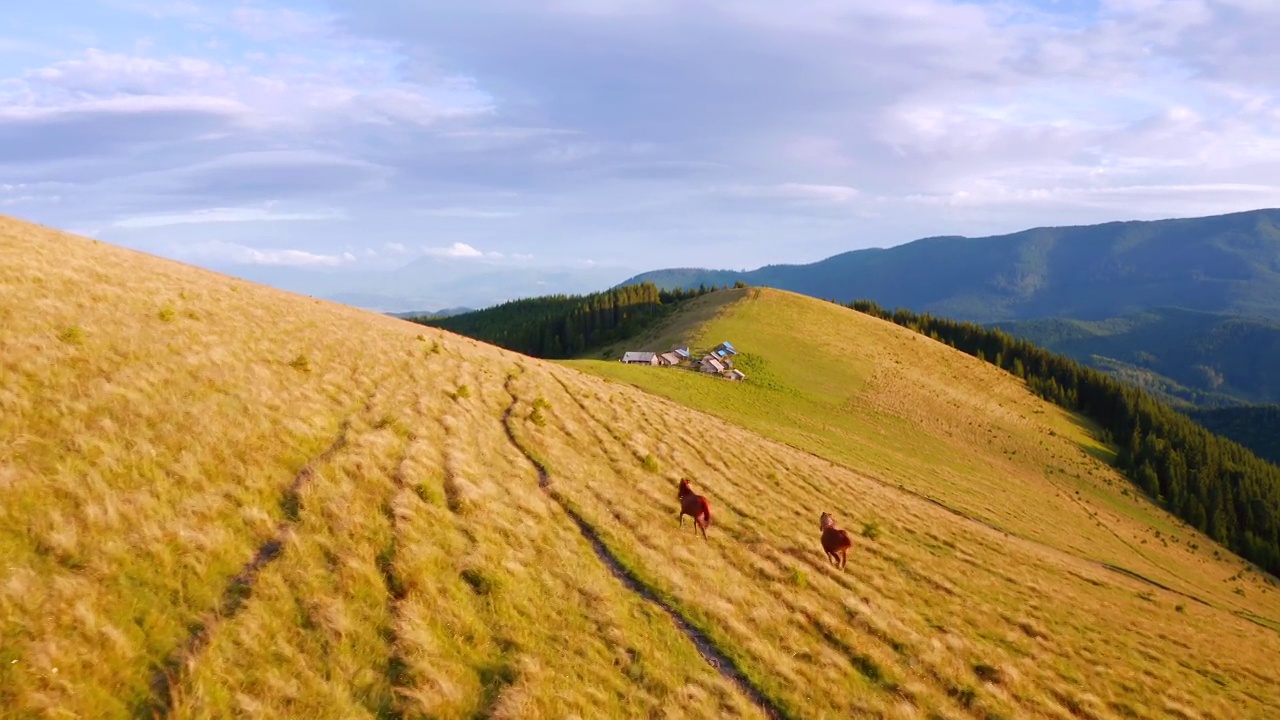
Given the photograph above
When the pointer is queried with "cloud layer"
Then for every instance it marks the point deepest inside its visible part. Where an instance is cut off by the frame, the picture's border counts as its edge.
(641, 133)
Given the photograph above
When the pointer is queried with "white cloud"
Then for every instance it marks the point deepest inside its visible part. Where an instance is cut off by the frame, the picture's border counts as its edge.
(456, 250)
(607, 126)
(123, 105)
(267, 89)
(220, 215)
(297, 258)
(221, 253)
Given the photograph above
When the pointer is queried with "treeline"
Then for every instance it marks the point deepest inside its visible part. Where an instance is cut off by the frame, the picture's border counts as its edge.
(1257, 427)
(563, 326)
(1214, 484)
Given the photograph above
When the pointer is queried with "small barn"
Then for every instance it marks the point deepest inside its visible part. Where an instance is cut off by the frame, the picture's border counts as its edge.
(725, 348)
(640, 358)
(668, 359)
(736, 375)
(711, 364)
(682, 351)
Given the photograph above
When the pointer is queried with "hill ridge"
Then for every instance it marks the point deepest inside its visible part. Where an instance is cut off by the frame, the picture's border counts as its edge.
(1223, 263)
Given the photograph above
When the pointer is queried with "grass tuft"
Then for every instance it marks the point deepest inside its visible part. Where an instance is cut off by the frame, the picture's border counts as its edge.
(481, 582)
(987, 674)
(72, 335)
(301, 363)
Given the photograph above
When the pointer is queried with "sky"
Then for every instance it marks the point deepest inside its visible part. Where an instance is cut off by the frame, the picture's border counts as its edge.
(353, 134)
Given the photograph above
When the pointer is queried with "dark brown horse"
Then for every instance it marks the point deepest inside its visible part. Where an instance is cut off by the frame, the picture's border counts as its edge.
(695, 506)
(834, 540)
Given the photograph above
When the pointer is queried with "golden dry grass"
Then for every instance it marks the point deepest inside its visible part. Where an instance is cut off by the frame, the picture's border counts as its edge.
(160, 426)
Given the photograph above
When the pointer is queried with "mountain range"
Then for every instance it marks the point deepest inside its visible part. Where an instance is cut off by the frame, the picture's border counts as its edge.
(1222, 264)
(1185, 356)
(1187, 308)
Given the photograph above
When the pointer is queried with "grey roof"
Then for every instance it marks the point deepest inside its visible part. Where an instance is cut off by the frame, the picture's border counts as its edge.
(637, 357)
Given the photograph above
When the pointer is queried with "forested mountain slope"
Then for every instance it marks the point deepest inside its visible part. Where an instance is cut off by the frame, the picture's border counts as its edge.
(1204, 359)
(1221, 264)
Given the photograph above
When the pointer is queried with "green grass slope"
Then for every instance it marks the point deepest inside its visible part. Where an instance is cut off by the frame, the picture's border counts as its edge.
(1226, 263)
(913, 413)
(219, 500)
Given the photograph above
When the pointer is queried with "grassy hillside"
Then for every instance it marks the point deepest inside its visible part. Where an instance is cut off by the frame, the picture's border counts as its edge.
(221, 500)
(913, 413)
(1199, 358)
(1227, 264)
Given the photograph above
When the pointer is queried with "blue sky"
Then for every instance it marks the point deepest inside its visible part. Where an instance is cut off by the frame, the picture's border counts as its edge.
(632, 133)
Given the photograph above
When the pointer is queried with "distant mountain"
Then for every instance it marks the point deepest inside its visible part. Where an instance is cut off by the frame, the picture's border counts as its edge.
(1257, 427)
(442, 313)
(1221, 264)
(1205, 359)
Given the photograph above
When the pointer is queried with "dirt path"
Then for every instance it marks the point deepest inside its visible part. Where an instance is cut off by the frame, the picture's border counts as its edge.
(171, 673)
(705, 646)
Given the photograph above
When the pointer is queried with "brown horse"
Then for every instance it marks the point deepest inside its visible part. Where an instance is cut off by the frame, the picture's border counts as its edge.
(834, 540)
(695, 506)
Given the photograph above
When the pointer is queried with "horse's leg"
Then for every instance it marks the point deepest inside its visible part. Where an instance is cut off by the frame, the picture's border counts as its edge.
(844, 558)
(703, 527)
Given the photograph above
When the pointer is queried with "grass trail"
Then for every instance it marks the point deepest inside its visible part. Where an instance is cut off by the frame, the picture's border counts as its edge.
(713, 655)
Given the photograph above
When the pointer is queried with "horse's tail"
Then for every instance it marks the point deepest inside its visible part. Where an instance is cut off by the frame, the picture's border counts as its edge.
(706, 511)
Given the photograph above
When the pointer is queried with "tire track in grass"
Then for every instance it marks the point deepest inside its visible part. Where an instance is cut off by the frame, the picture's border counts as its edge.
(595, 424)
(622, 441)
(497, 667)
(237, 591)
(397, 666)
(705, 646)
